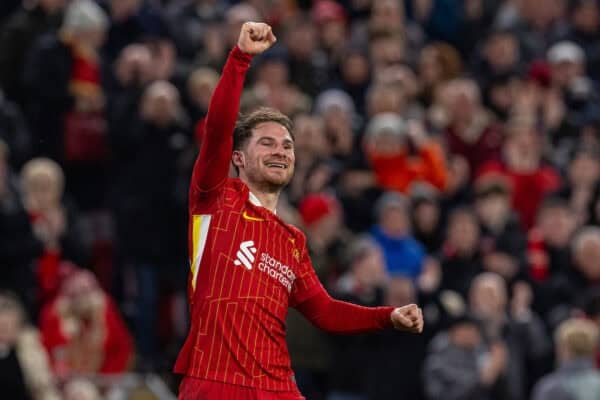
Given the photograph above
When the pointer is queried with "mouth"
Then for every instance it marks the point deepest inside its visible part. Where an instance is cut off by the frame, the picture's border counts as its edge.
(277, 165)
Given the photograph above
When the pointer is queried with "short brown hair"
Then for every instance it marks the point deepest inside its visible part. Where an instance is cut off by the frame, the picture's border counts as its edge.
(246, 123)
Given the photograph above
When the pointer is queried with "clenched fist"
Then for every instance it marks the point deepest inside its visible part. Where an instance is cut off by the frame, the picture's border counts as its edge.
(408, 318)
(255, 37)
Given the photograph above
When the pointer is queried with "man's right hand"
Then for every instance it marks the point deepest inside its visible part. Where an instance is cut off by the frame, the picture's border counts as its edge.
(255, 38)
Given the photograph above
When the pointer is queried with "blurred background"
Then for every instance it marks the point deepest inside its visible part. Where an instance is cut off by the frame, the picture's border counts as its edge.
(447, 154)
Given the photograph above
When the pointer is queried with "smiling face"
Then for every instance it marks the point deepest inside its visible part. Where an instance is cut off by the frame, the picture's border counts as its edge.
(267, 159)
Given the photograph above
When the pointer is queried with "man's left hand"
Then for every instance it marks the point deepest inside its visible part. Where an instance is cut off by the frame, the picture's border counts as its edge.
(408, 318)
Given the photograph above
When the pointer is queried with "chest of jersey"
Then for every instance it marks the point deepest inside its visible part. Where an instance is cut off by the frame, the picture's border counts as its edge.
(246, 255)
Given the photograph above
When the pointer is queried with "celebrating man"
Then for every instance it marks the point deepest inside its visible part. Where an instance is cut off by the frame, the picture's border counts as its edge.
(247, 265)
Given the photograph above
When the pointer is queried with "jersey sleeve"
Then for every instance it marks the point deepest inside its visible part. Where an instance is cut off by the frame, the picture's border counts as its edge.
(216, 130)
(341, 317)
(312, 300)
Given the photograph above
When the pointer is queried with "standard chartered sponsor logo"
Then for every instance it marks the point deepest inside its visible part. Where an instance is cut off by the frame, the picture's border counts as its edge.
(276, 270)
(245, 254)
(269, 265)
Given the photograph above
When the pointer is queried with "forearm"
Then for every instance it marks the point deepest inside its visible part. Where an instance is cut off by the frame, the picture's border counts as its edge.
(341, 317)
(212, 165)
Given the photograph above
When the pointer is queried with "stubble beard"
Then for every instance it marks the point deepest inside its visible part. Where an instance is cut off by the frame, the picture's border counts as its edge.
(267, 185)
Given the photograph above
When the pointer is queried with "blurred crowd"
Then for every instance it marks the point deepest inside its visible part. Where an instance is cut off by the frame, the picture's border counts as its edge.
(447, 154)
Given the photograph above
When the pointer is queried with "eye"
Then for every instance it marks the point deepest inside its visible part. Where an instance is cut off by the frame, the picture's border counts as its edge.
(266, 142)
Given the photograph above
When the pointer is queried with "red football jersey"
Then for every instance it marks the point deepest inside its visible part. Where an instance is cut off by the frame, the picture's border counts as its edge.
(247, 267)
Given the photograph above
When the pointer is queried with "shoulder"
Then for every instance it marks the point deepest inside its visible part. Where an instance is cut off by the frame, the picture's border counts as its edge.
(296, 232)
(549, 388)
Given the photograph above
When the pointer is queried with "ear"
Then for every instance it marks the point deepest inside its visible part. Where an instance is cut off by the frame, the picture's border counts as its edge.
(238, 158)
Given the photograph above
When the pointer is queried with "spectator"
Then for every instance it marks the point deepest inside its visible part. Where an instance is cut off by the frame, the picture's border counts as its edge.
(579, 189)
(331, 21)
(389, 17)
(55, 222)
(132, 21)
(567, 64)
(386, 49)
(273, 88)
(133, 70)
(188, 22)
(339, 115)
(314, 170)
(307, 64)
(521, 330)
(522, 165)
(82, 330)
(584, 29)
(554, 231)
(148, 190)
(438, 64)
(200, 86)
(427, 218)
(576, 377)
(392, 355)
(71, 61)
(19, 32)
(460, 256)
(500, 54)
(362, 284)
(500, 94)
(18, 245)
(470, 132)
(452, 368)
(386, 146)
(550, 259)
(309, 347)
(14, 131)
(537, 24)
(24, 369)
(393, 232)
(394, 91)
(503, 242)
(323, 222)
(586, 248)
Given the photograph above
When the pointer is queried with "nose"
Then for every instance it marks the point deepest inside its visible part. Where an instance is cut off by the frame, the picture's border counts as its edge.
(280, 151)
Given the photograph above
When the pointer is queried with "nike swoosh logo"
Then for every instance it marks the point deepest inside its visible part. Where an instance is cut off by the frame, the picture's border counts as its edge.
(249, 218)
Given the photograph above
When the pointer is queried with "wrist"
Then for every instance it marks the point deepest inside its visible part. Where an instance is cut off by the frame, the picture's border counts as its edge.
(241, 55)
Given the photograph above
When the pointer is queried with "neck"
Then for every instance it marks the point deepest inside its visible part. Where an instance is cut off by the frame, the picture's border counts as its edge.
(268, 199)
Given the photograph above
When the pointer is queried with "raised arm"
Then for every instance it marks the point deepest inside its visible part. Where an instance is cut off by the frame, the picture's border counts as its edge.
(212, 166)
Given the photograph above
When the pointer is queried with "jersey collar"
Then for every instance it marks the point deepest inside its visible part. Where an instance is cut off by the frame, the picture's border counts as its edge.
(255, 201)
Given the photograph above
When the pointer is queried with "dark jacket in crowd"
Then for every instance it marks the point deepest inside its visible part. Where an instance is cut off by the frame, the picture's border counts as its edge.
(47, 75)
(14, 131)
(18, 35)
(18, 249)
(147, 190)
(395, 354)
(352, 353)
